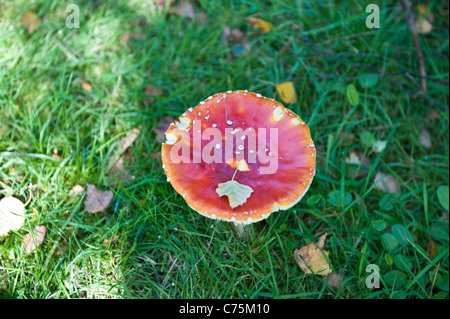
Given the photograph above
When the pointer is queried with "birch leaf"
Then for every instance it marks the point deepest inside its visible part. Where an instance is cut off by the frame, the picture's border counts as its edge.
(237, 193)
(286, 91)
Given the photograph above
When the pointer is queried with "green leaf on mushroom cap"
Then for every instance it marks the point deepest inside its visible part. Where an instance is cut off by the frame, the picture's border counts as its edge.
(237, 193)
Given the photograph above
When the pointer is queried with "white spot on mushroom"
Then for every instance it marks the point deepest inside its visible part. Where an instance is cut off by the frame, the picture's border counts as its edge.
(199, 113)
(206, 117)
(214, 125)
(224, 96)
(295, 121)
(190, 109)
(252, 151)
(243, 137)
(258, 95)
(217, 145)
(218, 100)
(228, 91)
(168, 179)
(277, 114)
(170, 138)
(237, 153)
(229, 122)
(202, 102)
(209, 98)
(249, 219)
(241, 147)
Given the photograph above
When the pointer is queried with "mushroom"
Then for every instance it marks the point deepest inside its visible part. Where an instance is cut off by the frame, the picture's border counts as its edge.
(239, 157)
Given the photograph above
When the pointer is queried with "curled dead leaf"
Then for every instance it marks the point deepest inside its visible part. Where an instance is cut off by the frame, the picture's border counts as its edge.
(386, 183)
(312, 259)
(34, 239)
(97, 200)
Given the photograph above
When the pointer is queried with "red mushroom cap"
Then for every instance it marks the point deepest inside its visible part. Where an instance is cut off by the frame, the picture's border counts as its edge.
(277, 181)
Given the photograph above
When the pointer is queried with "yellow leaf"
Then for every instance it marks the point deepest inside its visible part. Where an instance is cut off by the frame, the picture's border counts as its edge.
(259, 24)
(86, 86)
(312, 259)
(30, 20)
(286, 91)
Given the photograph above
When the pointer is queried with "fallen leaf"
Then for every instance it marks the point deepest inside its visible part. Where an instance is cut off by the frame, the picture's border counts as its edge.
(12, 214)
(128, 139)
(86, 86)
(33, 240)
(312, 259)
(76, 190)
(379, 146)
(335, 280)
(30, 20)
(259, 24)
(286, 91)
(185, 9)
(97, 200)
(425, 139)
(386, 183)
(353, 158)
(237, 193)
(423, 26)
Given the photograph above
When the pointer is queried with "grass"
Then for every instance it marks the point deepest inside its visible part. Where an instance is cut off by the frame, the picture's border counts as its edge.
(163, 249)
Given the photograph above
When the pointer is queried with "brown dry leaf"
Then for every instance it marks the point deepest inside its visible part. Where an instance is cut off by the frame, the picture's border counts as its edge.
(127, 140)
(335, 280)
(386, 183)
(97, 200)
(33, 240)
(30, 20)
(312, 259)
(425, 139)
(185, 9)
(259, 24)
(76, 190)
